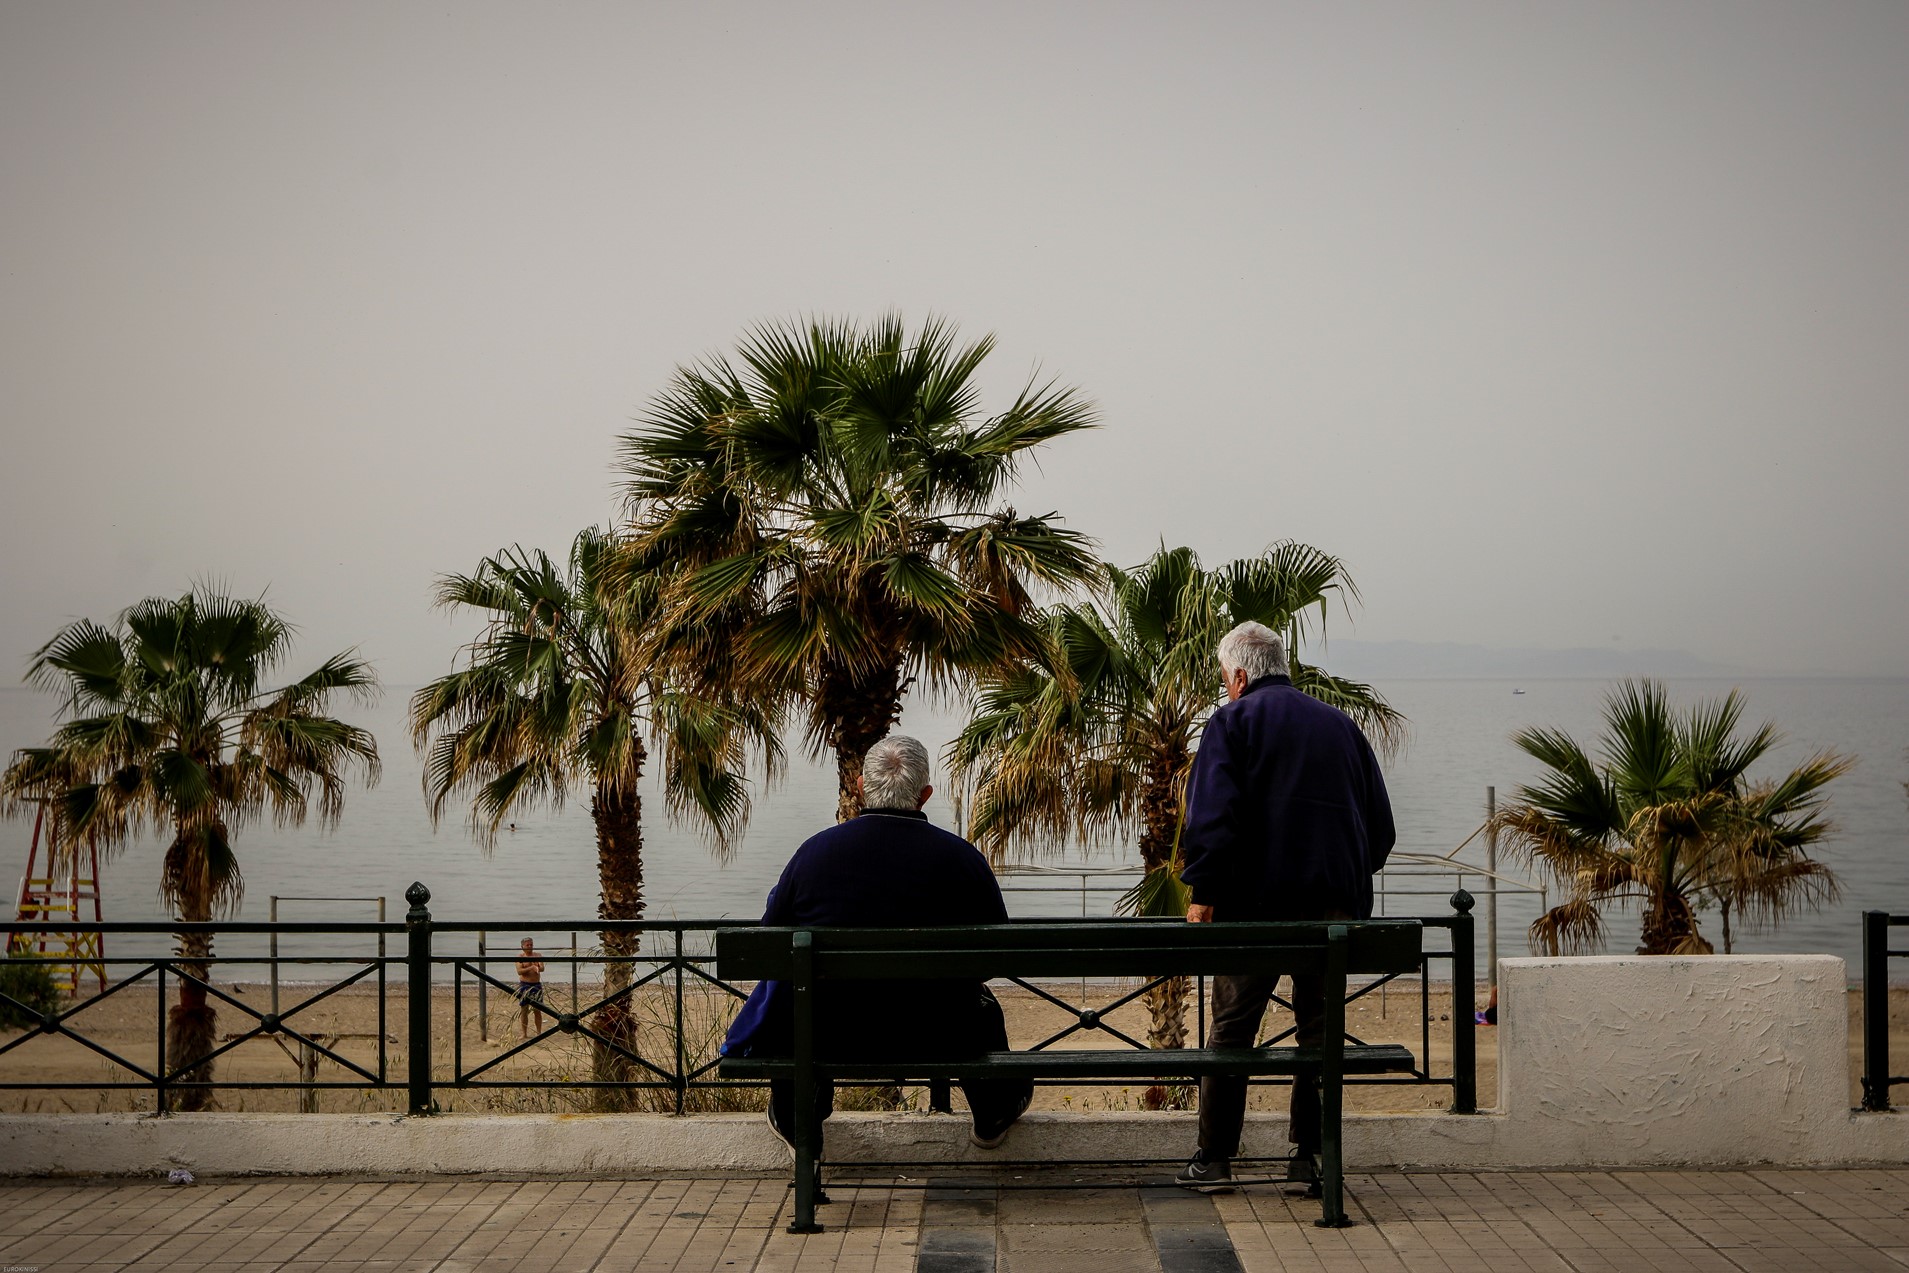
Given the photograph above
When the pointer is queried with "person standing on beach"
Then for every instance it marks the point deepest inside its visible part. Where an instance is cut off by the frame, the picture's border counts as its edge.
(888, 867)
(530, 989)
(1287, 819)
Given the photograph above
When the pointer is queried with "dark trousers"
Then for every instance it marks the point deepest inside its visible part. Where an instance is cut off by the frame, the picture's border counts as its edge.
(1239, 1004)
(993, 1103)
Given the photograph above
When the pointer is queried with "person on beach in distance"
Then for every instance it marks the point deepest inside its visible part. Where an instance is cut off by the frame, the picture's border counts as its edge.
(530, 989)
(888, 867)
(1287, 819)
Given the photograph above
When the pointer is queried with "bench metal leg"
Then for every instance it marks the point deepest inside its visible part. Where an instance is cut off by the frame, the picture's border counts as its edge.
(808, 1127)
(807, 1152)
(1332, 1176)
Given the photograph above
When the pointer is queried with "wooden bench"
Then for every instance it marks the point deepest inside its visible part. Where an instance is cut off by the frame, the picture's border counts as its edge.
(807, 957)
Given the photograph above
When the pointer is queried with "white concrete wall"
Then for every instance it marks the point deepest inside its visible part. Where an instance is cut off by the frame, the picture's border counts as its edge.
(1604, 1062)
(1652, 1060)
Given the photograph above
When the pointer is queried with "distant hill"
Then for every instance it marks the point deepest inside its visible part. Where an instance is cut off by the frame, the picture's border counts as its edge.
(1372, 660)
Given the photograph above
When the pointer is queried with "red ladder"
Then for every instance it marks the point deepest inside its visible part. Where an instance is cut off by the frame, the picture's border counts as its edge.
(63, 892)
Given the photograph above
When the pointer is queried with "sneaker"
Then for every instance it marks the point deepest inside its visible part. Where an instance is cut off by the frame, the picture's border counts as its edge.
(788, 1143)
(1206, 1175)
(991, 1135)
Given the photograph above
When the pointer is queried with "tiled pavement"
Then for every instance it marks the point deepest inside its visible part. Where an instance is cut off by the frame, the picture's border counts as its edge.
(1583, 1222)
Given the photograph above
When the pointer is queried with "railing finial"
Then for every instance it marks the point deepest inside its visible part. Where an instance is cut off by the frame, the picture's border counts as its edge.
(1462, 902)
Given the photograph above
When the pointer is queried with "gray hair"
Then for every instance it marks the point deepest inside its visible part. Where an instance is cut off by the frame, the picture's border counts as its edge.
(1255, 649)
(893, 773)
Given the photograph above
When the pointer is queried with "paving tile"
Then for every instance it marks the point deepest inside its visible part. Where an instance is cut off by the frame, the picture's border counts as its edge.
(1554, 1222)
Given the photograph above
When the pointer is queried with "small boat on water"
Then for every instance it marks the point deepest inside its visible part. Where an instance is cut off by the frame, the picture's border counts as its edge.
(1515, 690)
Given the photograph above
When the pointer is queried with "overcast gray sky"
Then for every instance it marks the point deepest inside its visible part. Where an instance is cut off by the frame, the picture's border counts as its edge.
(1563, 324)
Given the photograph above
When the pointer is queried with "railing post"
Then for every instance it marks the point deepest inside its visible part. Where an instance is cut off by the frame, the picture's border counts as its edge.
(161, 1100)
(1491, 897)
(1875, 1010)
(417, 925)
(1464, 1000)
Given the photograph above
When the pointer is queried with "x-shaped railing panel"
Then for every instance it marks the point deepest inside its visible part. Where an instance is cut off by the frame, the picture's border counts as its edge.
(567, 1023)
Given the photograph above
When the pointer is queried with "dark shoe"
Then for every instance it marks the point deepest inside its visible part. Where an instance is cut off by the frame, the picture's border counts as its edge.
(1303, 1170)
(1206, 1175)
(990, 1135)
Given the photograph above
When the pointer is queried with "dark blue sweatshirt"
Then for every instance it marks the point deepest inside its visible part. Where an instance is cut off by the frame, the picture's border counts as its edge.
(1287, 816)
(886, 868)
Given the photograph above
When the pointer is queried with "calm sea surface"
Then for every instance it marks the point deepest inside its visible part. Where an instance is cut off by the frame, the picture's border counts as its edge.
(1459, 745)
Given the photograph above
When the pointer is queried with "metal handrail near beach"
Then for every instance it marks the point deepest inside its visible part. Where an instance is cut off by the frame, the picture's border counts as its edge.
(660, 1058)
(1877, 1080)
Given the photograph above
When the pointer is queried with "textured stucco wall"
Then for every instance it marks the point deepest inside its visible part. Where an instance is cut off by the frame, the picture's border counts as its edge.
(1604, 1062)
(1656, 1061)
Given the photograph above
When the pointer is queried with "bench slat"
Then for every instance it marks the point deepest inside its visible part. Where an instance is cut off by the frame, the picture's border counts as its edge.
(1379, 1058)
(1072, 950)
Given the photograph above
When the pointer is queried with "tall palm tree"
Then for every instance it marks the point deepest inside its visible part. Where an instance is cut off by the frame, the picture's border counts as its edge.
(1671, 820)
(168, 725)
(1095, 736)
(556, 691)
(832, 498)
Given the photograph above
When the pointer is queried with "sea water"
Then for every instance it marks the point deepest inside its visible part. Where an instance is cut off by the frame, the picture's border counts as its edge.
(544, 872)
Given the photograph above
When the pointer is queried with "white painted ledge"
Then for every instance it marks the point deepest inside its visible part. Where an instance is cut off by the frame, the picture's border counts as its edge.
(1606, 1062)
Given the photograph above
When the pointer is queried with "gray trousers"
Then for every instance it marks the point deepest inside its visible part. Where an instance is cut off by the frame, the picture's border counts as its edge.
(1239, 1004)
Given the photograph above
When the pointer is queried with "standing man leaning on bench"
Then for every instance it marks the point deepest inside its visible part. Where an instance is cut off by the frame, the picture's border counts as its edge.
(1287, 819)
(888, 867)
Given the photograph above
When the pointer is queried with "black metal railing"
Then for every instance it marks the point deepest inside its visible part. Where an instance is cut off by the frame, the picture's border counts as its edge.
(1877, 1079)
(656, 1056)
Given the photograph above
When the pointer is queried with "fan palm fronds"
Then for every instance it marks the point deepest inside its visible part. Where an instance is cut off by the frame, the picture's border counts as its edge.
(1672, 819)
(168, 726)
(829, 501)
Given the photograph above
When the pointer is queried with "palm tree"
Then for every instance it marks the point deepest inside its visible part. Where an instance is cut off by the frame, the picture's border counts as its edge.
(1096, 735)
(1672, 820)
(167, 725)
(831, 496)
(555, 691)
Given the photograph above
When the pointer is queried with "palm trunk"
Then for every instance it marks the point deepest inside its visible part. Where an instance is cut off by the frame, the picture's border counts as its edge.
(859, 710)
(192, 1023)
(1166, 1002)
(618, 814)
(1670, 926)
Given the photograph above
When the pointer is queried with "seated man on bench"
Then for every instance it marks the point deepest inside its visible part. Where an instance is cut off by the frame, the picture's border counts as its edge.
(888, 867)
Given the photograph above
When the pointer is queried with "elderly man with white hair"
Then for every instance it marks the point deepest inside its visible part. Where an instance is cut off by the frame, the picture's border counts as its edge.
(888, 867)
(1287, 819)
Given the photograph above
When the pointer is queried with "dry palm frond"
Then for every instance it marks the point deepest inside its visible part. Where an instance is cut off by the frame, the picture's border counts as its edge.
(1575, 927)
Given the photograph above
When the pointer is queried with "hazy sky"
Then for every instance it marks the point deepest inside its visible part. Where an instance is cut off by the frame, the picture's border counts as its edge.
(1563, 324)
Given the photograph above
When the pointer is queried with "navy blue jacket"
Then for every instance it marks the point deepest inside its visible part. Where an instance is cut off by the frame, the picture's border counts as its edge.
(1287, 816)
(886, 868)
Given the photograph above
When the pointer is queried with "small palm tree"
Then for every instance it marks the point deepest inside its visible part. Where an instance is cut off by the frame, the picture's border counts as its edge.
(167, 725)
(556, 692)
(831, 497)
(1095, 737)
(1670, 820)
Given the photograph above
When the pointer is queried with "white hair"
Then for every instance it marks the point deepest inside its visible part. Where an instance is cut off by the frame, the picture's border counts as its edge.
(1255, 649)
(893, 773)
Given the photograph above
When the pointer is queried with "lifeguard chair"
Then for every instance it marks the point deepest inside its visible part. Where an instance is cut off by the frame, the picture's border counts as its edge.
(68, 888)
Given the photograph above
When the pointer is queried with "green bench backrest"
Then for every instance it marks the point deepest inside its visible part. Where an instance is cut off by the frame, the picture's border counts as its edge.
(1068, 950)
